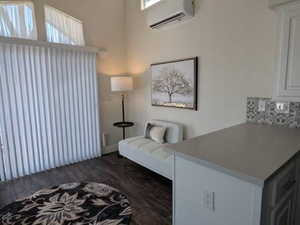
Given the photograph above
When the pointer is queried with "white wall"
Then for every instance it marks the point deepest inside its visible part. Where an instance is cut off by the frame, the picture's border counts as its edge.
(235, 42)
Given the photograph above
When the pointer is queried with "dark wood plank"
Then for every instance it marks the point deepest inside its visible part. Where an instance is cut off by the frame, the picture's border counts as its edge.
(149, 193)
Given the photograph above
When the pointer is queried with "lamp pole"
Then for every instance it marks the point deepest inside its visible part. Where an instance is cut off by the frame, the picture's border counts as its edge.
(123, 115)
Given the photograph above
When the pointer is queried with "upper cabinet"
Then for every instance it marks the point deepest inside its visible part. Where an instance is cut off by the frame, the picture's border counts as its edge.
(288, 65)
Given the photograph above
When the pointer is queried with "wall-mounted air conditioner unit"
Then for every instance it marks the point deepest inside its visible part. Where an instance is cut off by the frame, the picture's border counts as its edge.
(169, 12)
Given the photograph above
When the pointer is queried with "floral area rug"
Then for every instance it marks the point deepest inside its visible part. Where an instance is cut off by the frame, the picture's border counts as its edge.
(70, 204)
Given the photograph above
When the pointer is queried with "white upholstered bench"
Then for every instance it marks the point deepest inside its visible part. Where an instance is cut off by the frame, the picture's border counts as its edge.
(151, 154)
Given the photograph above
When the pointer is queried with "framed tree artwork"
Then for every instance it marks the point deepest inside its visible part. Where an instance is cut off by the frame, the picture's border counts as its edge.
(175, 83)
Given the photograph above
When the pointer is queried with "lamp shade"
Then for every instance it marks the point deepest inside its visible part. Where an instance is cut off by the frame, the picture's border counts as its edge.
(121, 83)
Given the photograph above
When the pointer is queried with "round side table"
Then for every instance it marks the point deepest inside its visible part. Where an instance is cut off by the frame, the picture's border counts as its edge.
(123, 125)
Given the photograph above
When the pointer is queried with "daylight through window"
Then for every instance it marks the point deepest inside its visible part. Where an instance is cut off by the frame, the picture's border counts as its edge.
(148, 3)
(63, 28)
(17, 20)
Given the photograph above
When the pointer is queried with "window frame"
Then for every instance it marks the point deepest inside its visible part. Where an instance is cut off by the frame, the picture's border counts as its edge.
(16, 2)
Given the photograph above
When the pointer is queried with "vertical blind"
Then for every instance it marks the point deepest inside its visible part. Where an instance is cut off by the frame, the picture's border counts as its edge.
(49, 111)
(17, 20)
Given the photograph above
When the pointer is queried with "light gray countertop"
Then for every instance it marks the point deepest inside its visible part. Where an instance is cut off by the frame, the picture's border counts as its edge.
(250, 152)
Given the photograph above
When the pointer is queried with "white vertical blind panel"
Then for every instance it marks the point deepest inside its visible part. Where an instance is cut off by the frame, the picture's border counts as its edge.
(49, 110)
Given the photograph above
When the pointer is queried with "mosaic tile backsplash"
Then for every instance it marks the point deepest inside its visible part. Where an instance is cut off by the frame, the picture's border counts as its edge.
(270, 116)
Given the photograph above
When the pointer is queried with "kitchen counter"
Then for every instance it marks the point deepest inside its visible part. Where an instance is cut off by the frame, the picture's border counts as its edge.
(250, 152)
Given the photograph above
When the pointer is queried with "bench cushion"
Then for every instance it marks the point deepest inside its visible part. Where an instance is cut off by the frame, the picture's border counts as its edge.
(149, 154)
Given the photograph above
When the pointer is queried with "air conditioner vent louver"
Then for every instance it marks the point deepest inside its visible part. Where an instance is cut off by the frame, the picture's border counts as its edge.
(169, 12)
(171, 19)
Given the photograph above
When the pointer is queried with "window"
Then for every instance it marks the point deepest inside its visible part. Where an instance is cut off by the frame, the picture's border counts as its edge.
(63, 28)
(148, 3)
(17, 20)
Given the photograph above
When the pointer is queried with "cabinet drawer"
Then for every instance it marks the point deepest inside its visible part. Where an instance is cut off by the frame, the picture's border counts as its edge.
(283, 183)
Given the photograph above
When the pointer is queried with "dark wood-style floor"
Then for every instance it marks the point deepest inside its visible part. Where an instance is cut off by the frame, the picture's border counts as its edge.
(149, 193)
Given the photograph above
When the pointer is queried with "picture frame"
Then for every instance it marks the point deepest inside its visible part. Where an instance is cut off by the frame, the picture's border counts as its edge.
(174, 84)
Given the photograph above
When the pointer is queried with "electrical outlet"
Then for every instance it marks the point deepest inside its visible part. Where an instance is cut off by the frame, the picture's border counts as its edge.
(261, 105)
(209, 200)
(282, 107)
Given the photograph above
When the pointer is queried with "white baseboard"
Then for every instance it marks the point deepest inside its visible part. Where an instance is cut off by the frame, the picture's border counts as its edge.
(110, 149)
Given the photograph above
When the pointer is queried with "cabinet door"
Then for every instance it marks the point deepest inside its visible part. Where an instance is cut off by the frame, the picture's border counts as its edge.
(283, 183)
(289, 57)
(284, 213)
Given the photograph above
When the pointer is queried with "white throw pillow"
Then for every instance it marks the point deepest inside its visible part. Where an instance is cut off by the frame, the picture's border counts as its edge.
(158, 134)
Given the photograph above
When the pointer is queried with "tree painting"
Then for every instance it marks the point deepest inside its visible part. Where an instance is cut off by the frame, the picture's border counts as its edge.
(174, 84)
(172, 81)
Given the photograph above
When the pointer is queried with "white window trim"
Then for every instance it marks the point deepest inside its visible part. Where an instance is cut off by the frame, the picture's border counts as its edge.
(13, 2)
(51, 44)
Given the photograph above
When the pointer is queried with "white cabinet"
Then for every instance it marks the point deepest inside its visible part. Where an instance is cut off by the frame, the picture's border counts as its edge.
(288, 66)
(206, 195)
(203, 195)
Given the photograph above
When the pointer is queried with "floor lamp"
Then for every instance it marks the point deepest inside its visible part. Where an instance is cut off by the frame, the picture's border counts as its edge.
(122, 85)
